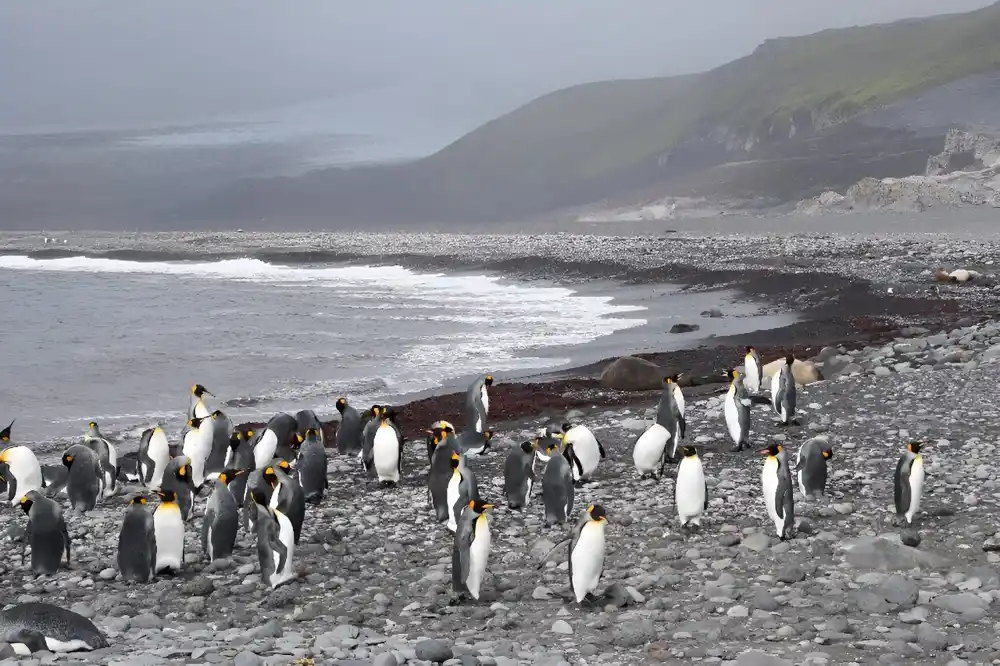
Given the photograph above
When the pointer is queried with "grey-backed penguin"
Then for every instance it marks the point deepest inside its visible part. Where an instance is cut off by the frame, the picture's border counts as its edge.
(783, 395)
(275, 545)
(557, 485)
(386, 451)
(690, 489)
(776, 485)
(222, 431)
(105, 450)
(306, 419)
(908, 483)
(443, 464)
(310, 466)
(240, 457)
(154, 454)
(198, 447)
(586, 553)
(670, 413)
(588, 449)
(137, 542)
(85, 482)
(519, 474)
(477, 403)
(286, 494)
(368, 438)
(37, 627)
(753, 371)
(473, 444)
(177, 479)
(54, 478)
(462, 487)
(222, 518)
(431, 445)
(168, 528)
(257, 487)
(471, 550)
(47, 533)
(811, 465)
(736, 408)
(649, 453)
(349, 429)
(198, 409)
(23, 472)
(276, 441)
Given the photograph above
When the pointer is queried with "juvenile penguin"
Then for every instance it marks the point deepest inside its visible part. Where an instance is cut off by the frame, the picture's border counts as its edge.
(168, 527)
(368, 438)
(198, 409)
(690, 489)
(23, 474)
(811, 465)
(286, 495)
(311, 467)
(908, 483)
(154, 454)
(586, 553)
(277, 441)
(519, 475)
(275, 546)
(137, 543)
(783, 392)
(736, 407)
(557, 485)
(649, 451)
(240, 457)
(222, 518)
(477, 403)
(443, 465)
(177, 479)
(753, 370)
(221, 427)
(306, 419)
(670, 414)
(105, 451)
(197, 447)
(471, 549)
(85, 481)
(776, 484)
(349, 429)
(588, 449)
(386, 452)
(473, 444)
(47, 533)
(35, 627)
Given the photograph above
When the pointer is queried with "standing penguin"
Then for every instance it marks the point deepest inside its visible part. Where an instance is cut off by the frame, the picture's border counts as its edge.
(586, 553)
(240, 457)
(305, 420)
(177, 479)
(286, 495)
(85, 481)
(47, 533)
(443, 466)
(736, 407)
(198, 409)
(588, 449)
(776, 484)
(471, 549)
(519, 475)
(754, 371)
(105, 450)
(811, 465)
(368, 438)
(670, 414)
(277, 441)
(462, 488)
(783, 392)
(477, 404)
(222, 518)
(557, 485)
(258, 492)
(275, 546)
(23, 473)
(650, 451)
(349, 429)
(168, 528)
(311, 467)
(690, 489)
(137, 543)
(386, 451)
(908, 483)
(154, 454)
(222, 432)
(198, 446)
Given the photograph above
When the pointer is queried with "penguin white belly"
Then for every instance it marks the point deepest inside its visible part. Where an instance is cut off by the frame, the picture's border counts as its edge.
(916, 487)
(769, 486)
(732, 412)
(679, 400)
(385, 450)
(802, 485)
(24, 467)
(479, 553)
(275, 496)
(649, 448)
(263, 453)
(286, 534)
(689, 490)
(752, 378)
(586, 449)
(200, 410)
(56, 645)
(775, 382)
(168, 527)
(486, 400)
(527, 492)
(158, 451)
(197, 447)
(588, 559)
(453, 494)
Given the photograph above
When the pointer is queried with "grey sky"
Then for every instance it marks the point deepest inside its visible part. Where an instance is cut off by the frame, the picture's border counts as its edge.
(143, 62)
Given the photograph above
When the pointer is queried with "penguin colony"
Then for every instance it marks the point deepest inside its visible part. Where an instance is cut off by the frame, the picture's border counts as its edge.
(263, 481)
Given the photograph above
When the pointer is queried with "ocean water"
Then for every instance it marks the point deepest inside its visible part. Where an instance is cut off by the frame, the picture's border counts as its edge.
(121, 342)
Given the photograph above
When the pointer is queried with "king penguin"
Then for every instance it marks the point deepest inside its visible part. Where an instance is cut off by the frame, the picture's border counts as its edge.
(137, 543)
(753, 370)
(198, 408)
(783, 392)
(690, 489)
(445, 426)
(222, 432)
(311, 467)
(240, 457)
(277, 441)
(477, 403)
(275, 546)
(168, 527)
(287, 497)
(443, 466)
(557, 485)
(462, 488)
(588, 449)
(908, 483)
(47, 533)
(306, 419)
(519, 475)
(222, 518)
(105, 451)
(368, 438)
(177, 479)
(811, 465)
(154, 454)
(197, 447)
(471, 550)
(86, 477)
(670, 414)
(23, 474)
(650, 451)
(386, 451)
(586, 553)
(776, 484)
(37, 627)
(736, 407)
(349, 429)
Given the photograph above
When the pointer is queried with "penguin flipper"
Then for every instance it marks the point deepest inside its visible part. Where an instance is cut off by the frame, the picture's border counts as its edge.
(600, 448)
(206, 526)
(681, 425)
(705, 508)
(66, 541)
(282, 551)
(902, 486)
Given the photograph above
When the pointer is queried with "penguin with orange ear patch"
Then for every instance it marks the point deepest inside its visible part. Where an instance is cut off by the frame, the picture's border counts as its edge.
(137, 542)
(177, 479)
(776, 485)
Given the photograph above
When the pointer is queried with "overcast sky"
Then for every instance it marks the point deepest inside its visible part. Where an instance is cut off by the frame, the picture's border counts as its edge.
(144, 62)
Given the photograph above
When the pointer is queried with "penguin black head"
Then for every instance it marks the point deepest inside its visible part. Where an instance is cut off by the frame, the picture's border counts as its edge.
(195, 422)
(167, 496)
(488, 380)
(5, 433)
(227, 476)
(733, 373)
(390, 413)
(914, 447)
(749, 350)
(596, 513)
(828, 452)
(341, 404)
(772, 450)
(258, 499)
(270, 476)
(198, 390)
(455, 459)
(67, 459)
(789, 359)
(139, 500)
(299, 438)
(488, 435)
(479, 506)
(235, 440)
(689, 451)
(529, 447)
(92, 424)
(217, 414)
(376, 410)
(284, 466)
(26, 503)
(249, 435)
(184, 471)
